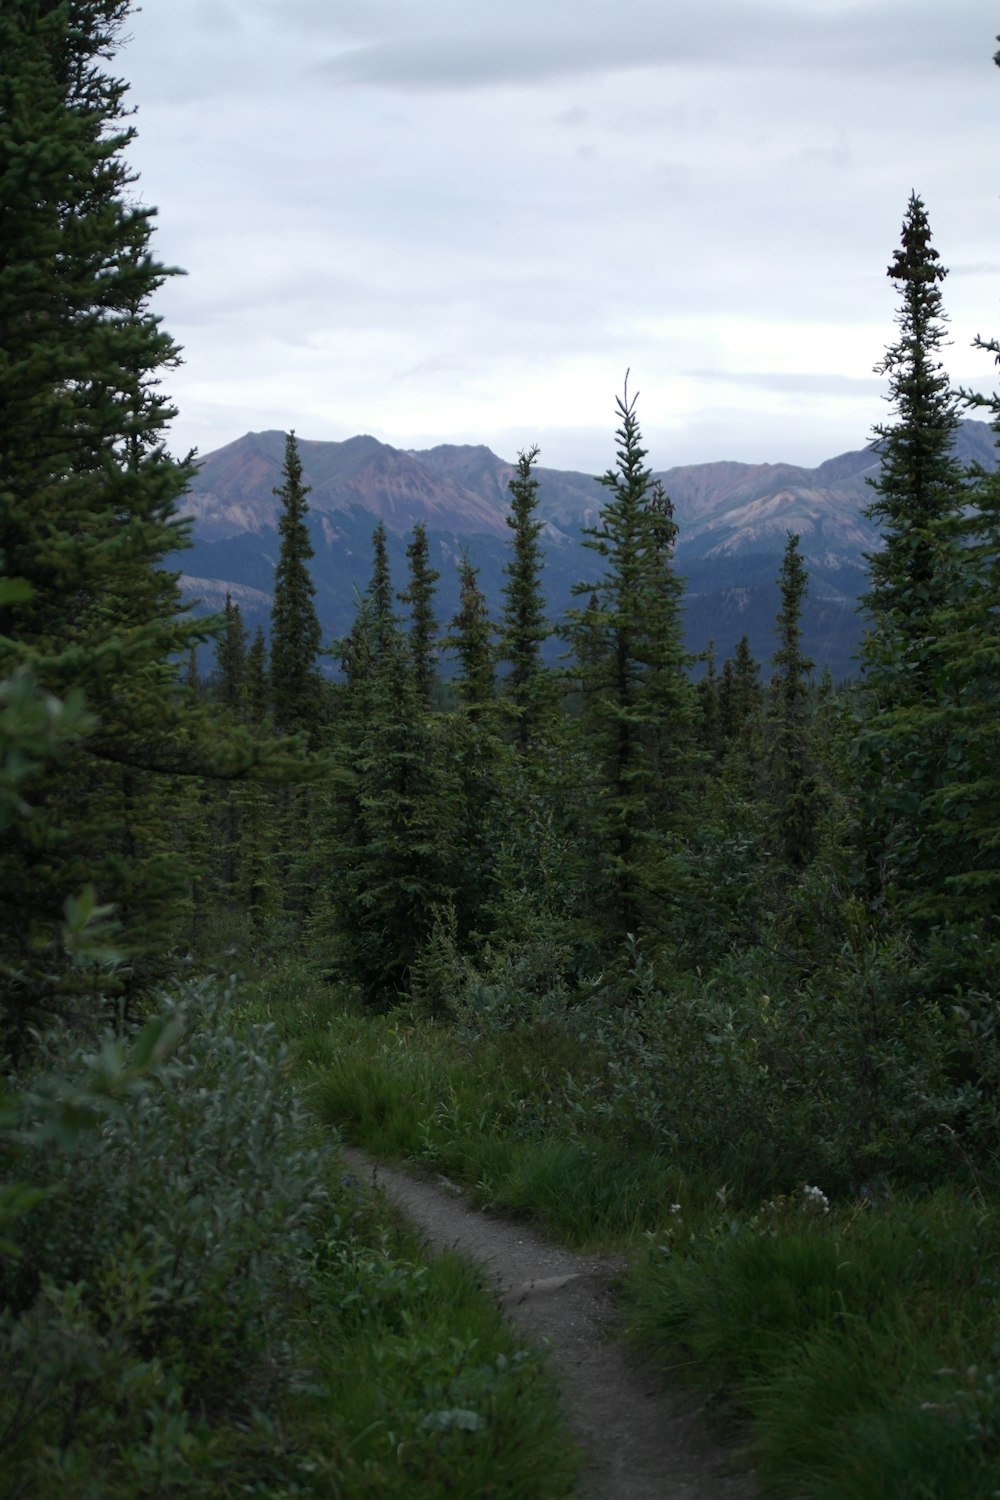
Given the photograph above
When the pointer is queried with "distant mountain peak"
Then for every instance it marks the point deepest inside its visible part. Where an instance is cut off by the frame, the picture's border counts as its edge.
(732, 518)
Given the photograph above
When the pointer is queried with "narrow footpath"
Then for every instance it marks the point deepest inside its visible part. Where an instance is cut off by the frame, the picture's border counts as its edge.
(640, 1442)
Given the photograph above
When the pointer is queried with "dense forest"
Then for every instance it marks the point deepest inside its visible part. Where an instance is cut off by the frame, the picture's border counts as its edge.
(696, 959)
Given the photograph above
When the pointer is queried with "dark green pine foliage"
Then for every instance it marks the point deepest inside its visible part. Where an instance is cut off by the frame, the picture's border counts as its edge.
(380, 596)
(192, 677)
(920, 488)
(904, 749)
(530, 696)
(256, 884)
(221, 804)
(471, 639)
(391, 827)
(256, 684)
(231, 660)
(296, 687)
(87, 503)
(637, 703)
(710, 732)
(473, 746)
(740, 694)
(961, 814)
(792, 777)
(419, 597)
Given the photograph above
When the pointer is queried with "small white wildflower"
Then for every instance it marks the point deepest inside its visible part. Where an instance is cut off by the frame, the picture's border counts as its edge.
(816, 1198)
(675, 1209)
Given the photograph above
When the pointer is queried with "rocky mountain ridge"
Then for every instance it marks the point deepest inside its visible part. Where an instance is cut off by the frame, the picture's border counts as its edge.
(733, 519)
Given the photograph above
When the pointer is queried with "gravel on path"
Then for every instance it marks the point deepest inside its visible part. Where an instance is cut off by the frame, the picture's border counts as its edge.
(640, 1441)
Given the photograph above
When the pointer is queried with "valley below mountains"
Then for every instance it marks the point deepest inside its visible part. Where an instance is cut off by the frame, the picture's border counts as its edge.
(733, 520)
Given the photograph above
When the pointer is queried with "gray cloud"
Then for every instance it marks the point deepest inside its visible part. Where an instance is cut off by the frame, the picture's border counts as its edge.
(795, 382)
(439, 220)
(456, 48)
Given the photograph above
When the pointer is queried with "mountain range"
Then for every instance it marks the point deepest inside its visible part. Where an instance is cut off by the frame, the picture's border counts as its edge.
(733, 520)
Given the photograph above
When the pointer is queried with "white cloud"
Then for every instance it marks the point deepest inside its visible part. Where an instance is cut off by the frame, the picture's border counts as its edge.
(446, 221)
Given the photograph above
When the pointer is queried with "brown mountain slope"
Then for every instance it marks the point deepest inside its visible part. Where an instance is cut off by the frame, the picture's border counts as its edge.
(233, 491)
(723, 509)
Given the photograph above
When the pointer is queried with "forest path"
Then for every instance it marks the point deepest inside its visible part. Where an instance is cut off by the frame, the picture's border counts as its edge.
(640, 1442)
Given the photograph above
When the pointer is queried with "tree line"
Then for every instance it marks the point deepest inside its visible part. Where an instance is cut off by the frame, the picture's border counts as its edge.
(378, 816)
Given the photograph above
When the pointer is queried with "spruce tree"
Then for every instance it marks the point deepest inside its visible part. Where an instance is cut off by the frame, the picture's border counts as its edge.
(638, 707)
(903, 746)
(960, 881)
(389, 827)
(530, 696)
(793, 785)
(295, 628)
(88, 499)
(919, 490)
(472, 641)
(255, 682)
(192, 677)
(419, 596)
(740, 694)
(710, 731)
(231, 660)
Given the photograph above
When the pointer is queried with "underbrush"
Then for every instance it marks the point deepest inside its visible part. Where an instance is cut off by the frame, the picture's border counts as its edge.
(859, 1347)
(594, 1109)
(198, 1300)
(854, 1333)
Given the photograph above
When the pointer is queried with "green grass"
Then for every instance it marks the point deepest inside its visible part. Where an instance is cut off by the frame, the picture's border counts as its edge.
(202, 1300)
(423, 1388)
(856, 1351)
(862, 1352)
(419, 1385)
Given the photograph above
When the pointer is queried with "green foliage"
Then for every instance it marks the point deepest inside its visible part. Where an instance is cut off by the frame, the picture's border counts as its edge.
(910, 744)
(857, 1344)
(529, 694)
(199, 1301)
(231, 660)
(147, 1294)
(85, 524)
(428, 1391)
(472, 641)
(793, 786)
(423, 626)
(295, 630)
(638, 707)
(391, 829)
(919, 488)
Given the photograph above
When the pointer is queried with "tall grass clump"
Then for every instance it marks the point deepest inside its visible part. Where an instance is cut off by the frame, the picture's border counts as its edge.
(860, 1349)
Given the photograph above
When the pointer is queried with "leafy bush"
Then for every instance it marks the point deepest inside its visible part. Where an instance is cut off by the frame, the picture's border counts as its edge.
(152, 1277)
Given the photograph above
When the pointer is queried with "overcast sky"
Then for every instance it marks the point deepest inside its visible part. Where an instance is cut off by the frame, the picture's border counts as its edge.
(461, 221)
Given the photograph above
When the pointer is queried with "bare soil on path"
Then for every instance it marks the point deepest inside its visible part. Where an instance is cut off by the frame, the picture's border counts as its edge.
(640, 1441)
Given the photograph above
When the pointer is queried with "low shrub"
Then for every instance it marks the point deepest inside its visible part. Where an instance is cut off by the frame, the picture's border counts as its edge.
(152, 1277)
(860, 1347)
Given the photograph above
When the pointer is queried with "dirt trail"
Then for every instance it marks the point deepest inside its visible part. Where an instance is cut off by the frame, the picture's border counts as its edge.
(640, 1442)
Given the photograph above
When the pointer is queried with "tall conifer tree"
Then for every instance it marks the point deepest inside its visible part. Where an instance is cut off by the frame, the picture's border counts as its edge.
(638, 704)
(231, 660)
(529, 693)
(904, 750)
(472, 641)
(919, 490)
(87, 495)
(295, 628)
(793, 782)
(419, 595)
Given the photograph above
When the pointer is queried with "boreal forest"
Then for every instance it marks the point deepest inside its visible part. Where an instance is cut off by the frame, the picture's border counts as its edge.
(697, 962)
